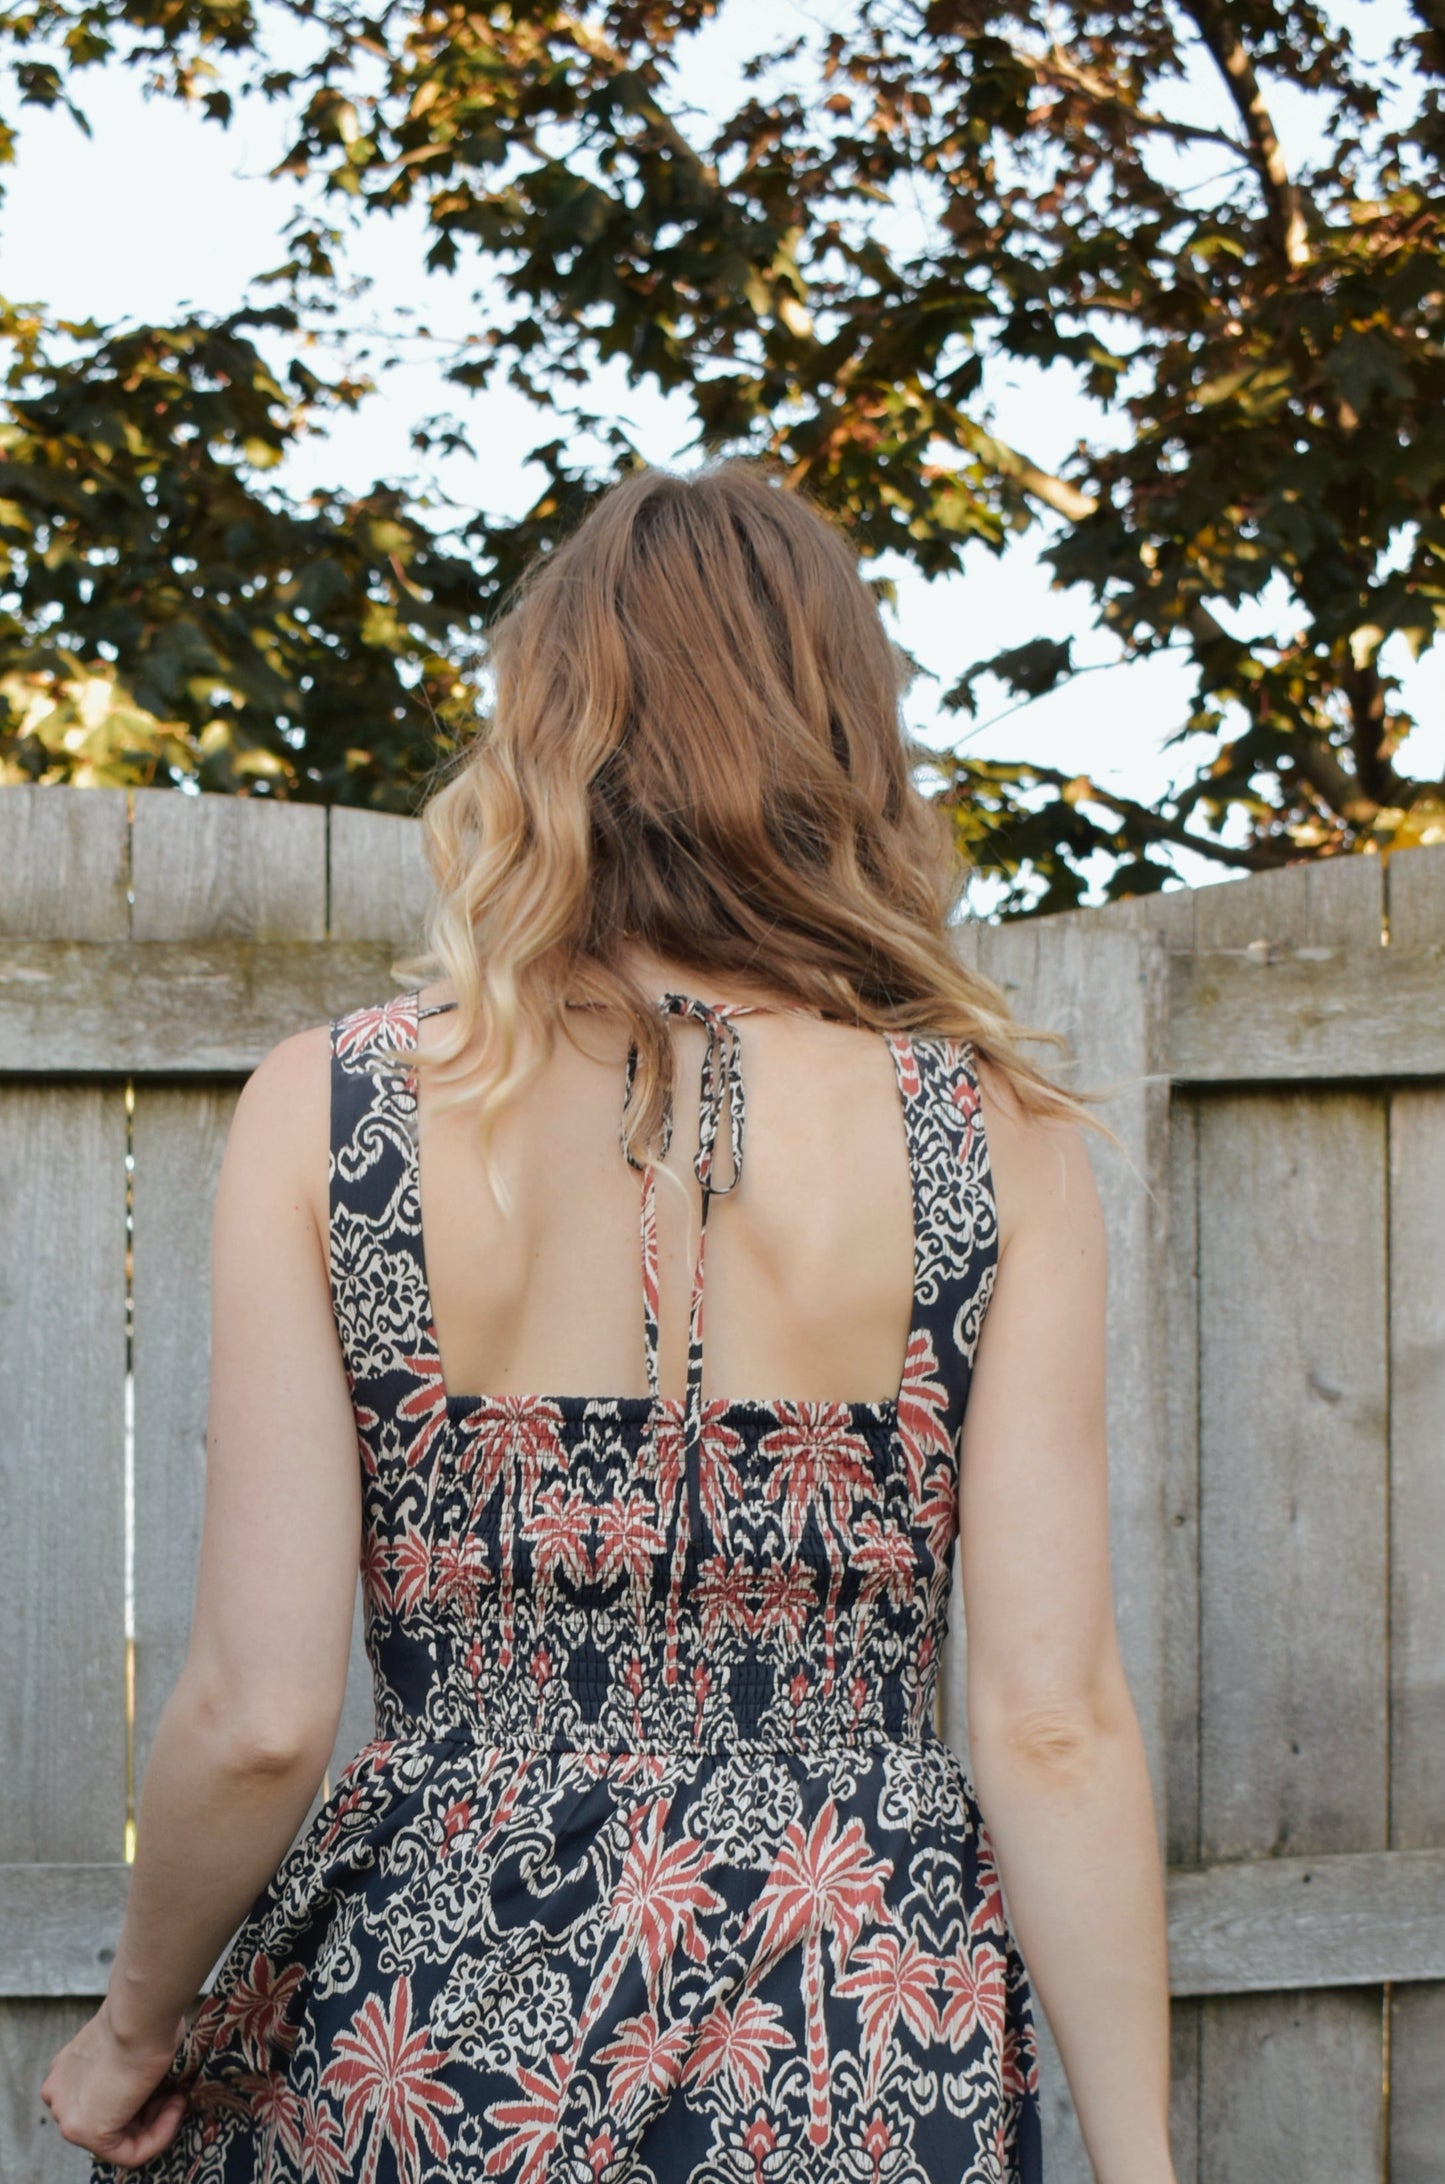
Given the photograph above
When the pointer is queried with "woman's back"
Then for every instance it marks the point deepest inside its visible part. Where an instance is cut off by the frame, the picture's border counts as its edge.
(809, 1270)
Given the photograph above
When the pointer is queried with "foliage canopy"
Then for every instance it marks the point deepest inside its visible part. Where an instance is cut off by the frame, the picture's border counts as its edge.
(831, 272)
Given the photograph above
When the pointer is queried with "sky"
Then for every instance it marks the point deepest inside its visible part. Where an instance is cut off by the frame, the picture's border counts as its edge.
(158, 210)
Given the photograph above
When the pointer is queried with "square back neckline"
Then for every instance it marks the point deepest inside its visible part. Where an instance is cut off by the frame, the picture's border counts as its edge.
(866, 1410)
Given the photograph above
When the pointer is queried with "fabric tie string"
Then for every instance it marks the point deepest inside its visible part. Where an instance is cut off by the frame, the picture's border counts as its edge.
(720, 1090)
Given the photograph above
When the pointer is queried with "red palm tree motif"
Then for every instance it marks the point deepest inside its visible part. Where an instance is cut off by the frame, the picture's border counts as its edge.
(367, 1422)
(905, 1059)
(643, 2058)
(388, 1023)
(1020, 2064)
(424, 1405)
(276, 2109)
(555, 1526)
(460, 1570)
(734, 1599)
(391, 2095)
(511, 1437)
(524, 1431)
(531, 2122)
(217, 2097)
(974, 1994)
(884, 1558)
(787, 1594)
(375, 1584)
(928, 1451)
(736, 2041)
(255, 2012)
(820, 1466)
(935, 1508)
(411, 1566)
(723, 1600)
(718, 1476)
(659, 1897)
(629, 1544)
(319, 2155)
(889, 1980)
(822, 1881)
(922, 1410)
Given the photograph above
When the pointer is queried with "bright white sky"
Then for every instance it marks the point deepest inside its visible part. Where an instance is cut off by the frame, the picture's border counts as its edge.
(159, 210)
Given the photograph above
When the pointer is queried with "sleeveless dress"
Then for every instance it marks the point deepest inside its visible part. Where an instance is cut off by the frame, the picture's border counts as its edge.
(656, 1868)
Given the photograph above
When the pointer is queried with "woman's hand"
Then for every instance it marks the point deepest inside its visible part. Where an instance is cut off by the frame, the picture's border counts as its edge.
(105, 2093)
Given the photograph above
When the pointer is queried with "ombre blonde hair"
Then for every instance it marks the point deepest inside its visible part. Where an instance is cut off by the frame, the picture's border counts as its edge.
(694, 743)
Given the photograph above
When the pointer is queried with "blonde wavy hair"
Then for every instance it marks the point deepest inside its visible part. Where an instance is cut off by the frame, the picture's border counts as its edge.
(695, 742)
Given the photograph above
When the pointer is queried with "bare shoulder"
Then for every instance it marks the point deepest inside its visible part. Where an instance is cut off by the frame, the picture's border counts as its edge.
(1042, 1175)
(280, 1137)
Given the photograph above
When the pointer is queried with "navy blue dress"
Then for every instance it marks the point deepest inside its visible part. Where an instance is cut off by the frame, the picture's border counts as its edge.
(656, 1868)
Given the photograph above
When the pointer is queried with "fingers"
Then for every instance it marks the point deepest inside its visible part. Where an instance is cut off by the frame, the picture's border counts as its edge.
(149, 2135)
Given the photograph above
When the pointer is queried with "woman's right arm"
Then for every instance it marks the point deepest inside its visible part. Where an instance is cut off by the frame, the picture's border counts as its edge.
(1057, 1756)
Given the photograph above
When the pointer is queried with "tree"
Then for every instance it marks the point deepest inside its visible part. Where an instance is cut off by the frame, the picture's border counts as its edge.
(923, 189)
(164, 617)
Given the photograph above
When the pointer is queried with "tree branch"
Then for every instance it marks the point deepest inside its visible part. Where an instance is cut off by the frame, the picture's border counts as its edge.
(1215, 25)
(1341, 792)
(1055, 67)
(1154, 826)
(598, 47)
(1066, 500)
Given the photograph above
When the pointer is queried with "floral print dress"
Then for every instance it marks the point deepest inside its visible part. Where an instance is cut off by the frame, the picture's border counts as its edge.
(656, 1868)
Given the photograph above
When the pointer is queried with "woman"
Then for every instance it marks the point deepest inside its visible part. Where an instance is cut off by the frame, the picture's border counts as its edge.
(656, 1867)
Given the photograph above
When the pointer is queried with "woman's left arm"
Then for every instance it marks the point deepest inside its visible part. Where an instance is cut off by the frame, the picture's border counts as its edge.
(246, 1734)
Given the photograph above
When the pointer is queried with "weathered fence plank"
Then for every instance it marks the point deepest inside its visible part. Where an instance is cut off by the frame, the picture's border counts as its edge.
(1181, 1601)
(380, 889)
(32, 2148)
(1415, 886)
(62, 1439)
(173, 1008)
(1352, 1919)
(227, 867)
(1293, 2090)
(66, 862)
(1307, 1014)
(1292, 1411)
(1293, 1671)
(1329, 1016)
(1417, 2085)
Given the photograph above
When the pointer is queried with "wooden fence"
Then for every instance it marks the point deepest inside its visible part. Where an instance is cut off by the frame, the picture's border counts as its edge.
(1277, 1397)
